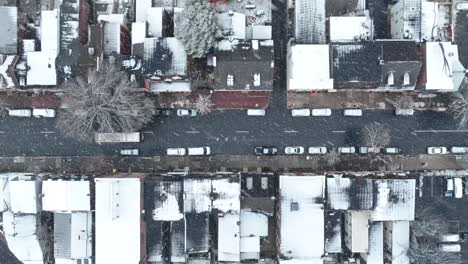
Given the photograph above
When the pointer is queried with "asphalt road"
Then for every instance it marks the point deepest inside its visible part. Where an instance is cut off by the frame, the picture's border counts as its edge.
(233, 132)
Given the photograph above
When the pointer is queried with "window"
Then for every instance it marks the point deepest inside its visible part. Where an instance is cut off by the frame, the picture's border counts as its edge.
(406, 78)
(390, 79)
(249, 183)
(257, 79)
(230, 80)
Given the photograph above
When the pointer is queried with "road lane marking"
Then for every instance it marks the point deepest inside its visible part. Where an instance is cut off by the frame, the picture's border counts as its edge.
(338, 131)
(291, 131)
(441, 131)
(192, 132)
(47, 132)
(242, 131)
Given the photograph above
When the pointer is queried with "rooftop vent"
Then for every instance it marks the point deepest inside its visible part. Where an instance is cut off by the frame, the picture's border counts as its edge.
(230, 80)
(294, 206)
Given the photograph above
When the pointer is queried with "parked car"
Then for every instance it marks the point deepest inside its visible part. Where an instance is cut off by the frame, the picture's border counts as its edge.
(175, 151)
(317, 150)
(404, 112)
(449, 188)
(43, 112)
(458, 187)
(294, 150)
(346, 150)
(458, 150)
(461, 6)
(165, 112)
(19, 112)
(202, 151)
(352, 112)
(255, 112)
(129, 152)
(436, 150)
(300, 112)
(186, 112)
(321, 112)
(366, 150)
(260, 151)
(392, 150)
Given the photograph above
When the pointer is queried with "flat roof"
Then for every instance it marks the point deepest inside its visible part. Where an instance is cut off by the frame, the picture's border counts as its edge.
(41, 68)
(350, 28)
(72, 235)
(23, 197)
(229, 237)
(66, 196)
(400, 242)
(444, 71)
(197, 195)
(394, 200)
(359, 221)
(117, 220)
(376, 248)
(309, 68)
(228, 194)
(168, 201)
(50, 26)
(302, 217)
(253, 224)
(154, 18)
(8, 30)
(234, 23)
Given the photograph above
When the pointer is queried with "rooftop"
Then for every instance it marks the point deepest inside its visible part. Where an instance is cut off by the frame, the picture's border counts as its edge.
(197, 195)
(394, 200)
(8, 30)
(232, 24)
(349, 194)
(118, 208)
(164, 57)
(7, 71)
(310, 21)
(66, 196)
(444, 71)
(229, 237)
(376, 248)
(72, 235)
(226, 193)
(41, 69)
(50, 32)
(249, 66)
(350, 28)
(27, 202)
(168, 203)
(197, 232)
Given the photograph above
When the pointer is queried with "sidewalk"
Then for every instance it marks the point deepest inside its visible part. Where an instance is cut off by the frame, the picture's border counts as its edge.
(246, 163)
(367, 100)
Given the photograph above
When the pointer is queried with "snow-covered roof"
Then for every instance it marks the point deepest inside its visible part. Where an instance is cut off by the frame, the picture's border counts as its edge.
(23, 197)
(21, 235)
(229, 237)
(429, 15)
(406, 20)
(260, 32)
(358, 233)
(253, 224)
(65, 196)
(179, 55)
(41, 69)
(308, 68)
(112, 18)
(138, 32)
(50, 32)
(141, 7)
(400, 241)
(164, 87)
(394, 200)
(155, 21)
(444, 71)
(72, 235)
(9, 29)
(338, 193)
(69, 24)
(118, 220)
(249, 248)
(165, 56)
(302, 217)
(178, 242)
(111, 38)
(375, 254)
(232, 24)
(227, 192)
(350, 28)
(7, 71)
(333, 232)
(167, 207)
(310, 21)
(197, 195)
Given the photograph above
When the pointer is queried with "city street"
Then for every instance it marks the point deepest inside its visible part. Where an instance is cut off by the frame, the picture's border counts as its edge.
(235, 133)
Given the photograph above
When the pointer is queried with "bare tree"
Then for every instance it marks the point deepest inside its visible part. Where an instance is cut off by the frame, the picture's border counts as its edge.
(203, 104)
(375, 135)
(429, 224)
(459, 107)
(431, 254)
(332, 157)
(108, 103)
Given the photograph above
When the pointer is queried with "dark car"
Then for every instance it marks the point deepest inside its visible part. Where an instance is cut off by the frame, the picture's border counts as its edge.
(165, 112)
(266, 151)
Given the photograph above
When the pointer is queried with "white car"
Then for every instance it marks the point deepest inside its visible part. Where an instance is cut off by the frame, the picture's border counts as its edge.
(366, 150)
(300, 112)
(294, 150)
(129, 152)
(19, 112)
(436, 150)
(175, 151)
(201, 151)
(352, 112)
(186, 112)
(392, 150)
(321, 112)
(346, 150)
(458, 150)
(43, 112)
(317, 150)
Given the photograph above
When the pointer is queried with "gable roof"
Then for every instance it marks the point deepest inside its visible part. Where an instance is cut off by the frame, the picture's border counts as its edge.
(8, 30)
(246, 62)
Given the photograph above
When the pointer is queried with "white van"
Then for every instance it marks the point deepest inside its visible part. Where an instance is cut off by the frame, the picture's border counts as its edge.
(450, 247)
(300, 112)
(19, 112)
(458, 150)
(321, 112)
(202, 151)
(175, 151)
(256, 112)
(132, 137)
(352, 112)
(450, 238)
(404, 112)
(43, 112)
(458, 187)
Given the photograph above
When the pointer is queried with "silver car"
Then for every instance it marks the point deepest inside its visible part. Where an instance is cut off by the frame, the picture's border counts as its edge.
(317, 150)
(294, 150)
(436, 150)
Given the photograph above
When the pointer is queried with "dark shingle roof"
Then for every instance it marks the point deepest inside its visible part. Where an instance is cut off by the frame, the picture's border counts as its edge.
(461, 37)
(8, 30)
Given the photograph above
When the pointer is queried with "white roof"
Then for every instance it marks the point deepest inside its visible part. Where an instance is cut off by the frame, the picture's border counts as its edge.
(250, 244)
(350, 28)
(50, 32)
(429, 15)
(179, 55)
(310, 21)
(260, 32)
(155, 21)
(302, 217)
(309, 68)
(41, 68)
(72, 235)
(140, 10)
(162, 87)
(23, 197)
(229, 237)
(234, 22)
(400, 242)
(337, 193)
(20, 233)
(394, 201)
(118, 220)
(375, 254)
(168, 209)
(359, 221)
(65, 196)
(197, 195)
(138, 32)
(443, 69)
(228, 192)
(253, 224)
(112, 38)
(112, 18)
